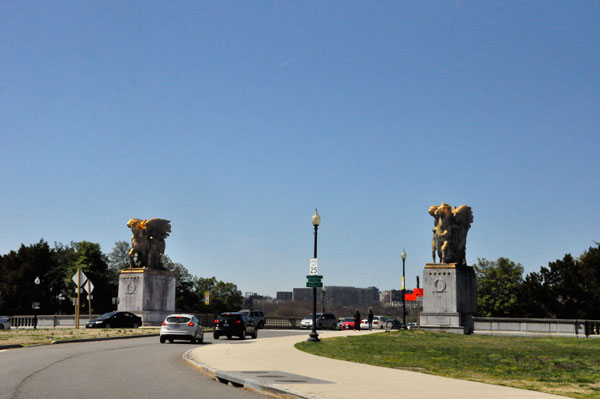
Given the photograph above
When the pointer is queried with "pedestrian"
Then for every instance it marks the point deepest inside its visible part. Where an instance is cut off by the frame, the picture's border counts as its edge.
(370, 319)
(357, 320)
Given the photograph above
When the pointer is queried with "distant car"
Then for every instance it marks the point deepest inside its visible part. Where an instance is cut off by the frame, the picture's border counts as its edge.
(257, 315)
(340, 323)
(181, 326)
(393, 324)
(348, 323)
(324, 321)
(115, 320)
(378, 323)
(4, 323)
(235, 324)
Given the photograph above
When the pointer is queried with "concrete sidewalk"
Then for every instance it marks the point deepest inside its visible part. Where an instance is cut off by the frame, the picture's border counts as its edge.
(274, 365)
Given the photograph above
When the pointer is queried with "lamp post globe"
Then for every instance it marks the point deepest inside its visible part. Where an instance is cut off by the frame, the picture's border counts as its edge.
(403, 256)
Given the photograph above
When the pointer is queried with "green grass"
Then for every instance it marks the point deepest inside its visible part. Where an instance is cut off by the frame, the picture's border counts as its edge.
(562, 366)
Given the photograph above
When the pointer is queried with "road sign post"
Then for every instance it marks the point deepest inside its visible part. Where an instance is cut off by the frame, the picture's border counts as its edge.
(79, 278)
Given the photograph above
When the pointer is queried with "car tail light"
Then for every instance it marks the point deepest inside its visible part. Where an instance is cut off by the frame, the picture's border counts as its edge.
(164, 323)
(191, 324)
(238, 321)
(216, 321)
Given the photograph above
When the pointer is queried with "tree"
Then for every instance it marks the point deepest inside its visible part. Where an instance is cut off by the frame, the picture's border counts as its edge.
(498, 287)
(186, 298)
(568, 288)
(89, 258)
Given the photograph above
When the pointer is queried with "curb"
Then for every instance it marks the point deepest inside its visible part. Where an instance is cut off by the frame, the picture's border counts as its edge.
(10, 346)
(236, 380)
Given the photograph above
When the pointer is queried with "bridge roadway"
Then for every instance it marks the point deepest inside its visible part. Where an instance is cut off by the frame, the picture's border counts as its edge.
(123, 368)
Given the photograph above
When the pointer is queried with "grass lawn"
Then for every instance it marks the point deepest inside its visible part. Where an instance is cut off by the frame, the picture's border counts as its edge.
(562, 366)
(43, 336)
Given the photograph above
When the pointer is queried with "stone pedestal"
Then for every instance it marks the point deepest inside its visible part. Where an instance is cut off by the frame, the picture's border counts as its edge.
(148, 293)
(449, 298)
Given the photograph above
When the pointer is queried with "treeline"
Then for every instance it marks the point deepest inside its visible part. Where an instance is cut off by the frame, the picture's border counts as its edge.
(568, 288)
(55, 266)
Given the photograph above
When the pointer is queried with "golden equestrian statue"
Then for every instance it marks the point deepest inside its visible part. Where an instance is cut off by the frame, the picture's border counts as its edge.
(148, 242)
(450, 232)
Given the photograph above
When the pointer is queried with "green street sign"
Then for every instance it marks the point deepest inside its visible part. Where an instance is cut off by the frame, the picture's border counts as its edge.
(314, 278)
(314, 284)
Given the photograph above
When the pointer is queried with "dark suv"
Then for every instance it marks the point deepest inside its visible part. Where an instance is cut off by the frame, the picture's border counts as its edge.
(257, 315)
(235, 323)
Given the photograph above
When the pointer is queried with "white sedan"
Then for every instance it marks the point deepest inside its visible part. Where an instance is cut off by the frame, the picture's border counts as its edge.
(181, 326)
(378, 323)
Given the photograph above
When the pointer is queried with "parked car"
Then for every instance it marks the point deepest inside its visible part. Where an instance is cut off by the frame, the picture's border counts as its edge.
(340, 323)
(115, 320)
(181, 326)
(235, 323)
(393, 324)
(4, 323)
(347, 323)
(378, 323)
(257, 315)
(324, 321)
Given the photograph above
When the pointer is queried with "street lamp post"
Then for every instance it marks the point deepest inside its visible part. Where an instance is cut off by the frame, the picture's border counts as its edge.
(35, 307)
(403, 290)
(313, 336)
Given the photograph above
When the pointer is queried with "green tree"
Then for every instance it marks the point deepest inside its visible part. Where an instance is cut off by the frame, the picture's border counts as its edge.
(186, 299)
(567, 288)
(498, 286)
(89, 258)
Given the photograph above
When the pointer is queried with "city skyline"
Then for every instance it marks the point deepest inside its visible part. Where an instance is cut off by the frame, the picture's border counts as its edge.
(236, 120)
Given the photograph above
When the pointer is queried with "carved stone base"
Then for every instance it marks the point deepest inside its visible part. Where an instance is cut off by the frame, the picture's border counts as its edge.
(449, 298)
(148, 293)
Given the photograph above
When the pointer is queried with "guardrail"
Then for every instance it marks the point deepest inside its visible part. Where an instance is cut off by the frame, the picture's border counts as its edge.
(47, 321)
(533, 327)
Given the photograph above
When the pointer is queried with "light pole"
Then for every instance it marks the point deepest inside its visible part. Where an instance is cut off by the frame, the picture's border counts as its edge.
(323, 291)
(35, 306)
(313, 336)
(403, 290)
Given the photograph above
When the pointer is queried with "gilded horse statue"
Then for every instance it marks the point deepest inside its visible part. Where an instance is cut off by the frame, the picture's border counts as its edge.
(148, 242)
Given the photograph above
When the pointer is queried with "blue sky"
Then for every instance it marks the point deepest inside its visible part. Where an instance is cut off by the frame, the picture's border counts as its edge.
(235, 120)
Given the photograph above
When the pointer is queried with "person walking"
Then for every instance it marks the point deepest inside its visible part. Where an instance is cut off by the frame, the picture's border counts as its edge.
(370, 319)
(357, 320)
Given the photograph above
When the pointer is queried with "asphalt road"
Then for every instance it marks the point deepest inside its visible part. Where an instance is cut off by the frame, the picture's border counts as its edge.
(125, 368)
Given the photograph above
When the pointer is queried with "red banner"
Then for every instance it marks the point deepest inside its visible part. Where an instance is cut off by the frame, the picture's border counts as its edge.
(410, 297)
(418, 291)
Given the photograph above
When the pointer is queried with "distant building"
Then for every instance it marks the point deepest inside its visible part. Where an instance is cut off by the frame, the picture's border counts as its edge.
(347, 296)
(284, 296)
(391, 297)
(306, 295)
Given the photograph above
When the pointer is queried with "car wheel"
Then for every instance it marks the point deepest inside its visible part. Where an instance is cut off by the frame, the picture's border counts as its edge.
(162, 340)
(135, 325)
(334, 326)
(243, 334)
(261, 324)
(107, 325)
(255, 334)
(319, 326)
(1, 326)
(228, 336)
(201, 339)
(194, 339)
(215, 336)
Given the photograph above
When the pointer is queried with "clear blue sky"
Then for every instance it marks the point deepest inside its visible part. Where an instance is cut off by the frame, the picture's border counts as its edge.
(235, 120)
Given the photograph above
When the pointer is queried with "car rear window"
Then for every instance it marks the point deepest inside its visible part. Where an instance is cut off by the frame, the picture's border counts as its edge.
(177, 319)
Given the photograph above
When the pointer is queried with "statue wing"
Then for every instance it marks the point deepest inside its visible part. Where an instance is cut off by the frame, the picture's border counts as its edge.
(159, 228)
(463, 215)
